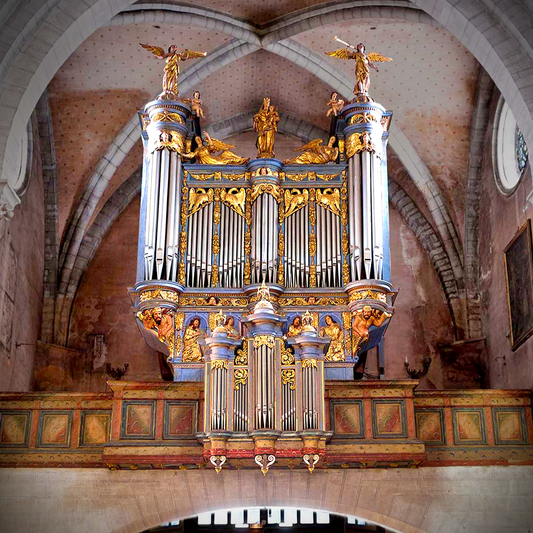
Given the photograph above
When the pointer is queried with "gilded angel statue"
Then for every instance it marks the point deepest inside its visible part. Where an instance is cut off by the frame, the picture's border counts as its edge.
(172, 68)
(315, 152)
(266, 126)
(206, 154)
(363, 62)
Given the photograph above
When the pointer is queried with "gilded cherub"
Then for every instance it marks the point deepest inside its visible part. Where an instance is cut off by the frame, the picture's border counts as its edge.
(315, 152)
(172, 68)
(196, 106)
(335, 104)
(206, 154)
(363, 62)
(364, 318)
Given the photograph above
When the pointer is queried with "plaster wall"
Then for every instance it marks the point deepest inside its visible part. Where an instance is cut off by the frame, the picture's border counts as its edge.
(21, 281)
(102, 306)
(423, 500)
(500, 219)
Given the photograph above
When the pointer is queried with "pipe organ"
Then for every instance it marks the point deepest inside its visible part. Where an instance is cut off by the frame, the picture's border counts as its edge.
(263, 279)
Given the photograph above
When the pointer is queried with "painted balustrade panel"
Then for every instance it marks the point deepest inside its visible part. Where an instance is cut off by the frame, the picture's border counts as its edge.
(373, 424)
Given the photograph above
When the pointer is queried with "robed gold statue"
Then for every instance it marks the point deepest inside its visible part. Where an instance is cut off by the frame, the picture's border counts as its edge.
(363, 63)
(315, 152)
(172, 67)
(266, 125)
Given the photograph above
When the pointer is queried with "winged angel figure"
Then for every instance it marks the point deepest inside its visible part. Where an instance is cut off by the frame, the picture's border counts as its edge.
(205, 154)
(362, 63)
(315, 152)
(172, 67)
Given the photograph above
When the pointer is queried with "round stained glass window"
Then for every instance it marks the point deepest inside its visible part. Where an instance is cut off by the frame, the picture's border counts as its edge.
(510, 154)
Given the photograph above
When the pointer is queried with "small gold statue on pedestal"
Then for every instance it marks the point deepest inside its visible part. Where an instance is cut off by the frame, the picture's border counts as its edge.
(362, 63)
(266, 125)
(172, 68)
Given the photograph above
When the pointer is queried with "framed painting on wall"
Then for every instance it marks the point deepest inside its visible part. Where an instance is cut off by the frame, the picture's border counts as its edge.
(518, 259)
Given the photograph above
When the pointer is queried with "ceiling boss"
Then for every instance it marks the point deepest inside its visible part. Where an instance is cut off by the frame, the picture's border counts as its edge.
(172, 68)
(363, 62)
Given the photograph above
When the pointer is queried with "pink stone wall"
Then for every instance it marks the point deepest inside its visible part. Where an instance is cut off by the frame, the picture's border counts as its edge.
(102, 306)
(500, 218)
(21, 282)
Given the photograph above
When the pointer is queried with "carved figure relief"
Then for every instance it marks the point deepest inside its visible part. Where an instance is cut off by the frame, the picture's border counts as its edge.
(333, 330)
(192, 336)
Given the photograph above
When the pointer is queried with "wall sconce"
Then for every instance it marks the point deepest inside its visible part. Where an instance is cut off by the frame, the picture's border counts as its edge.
(116, 373)
(417, 374)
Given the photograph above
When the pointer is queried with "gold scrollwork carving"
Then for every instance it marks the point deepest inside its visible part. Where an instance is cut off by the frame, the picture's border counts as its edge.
(261, 188)
(264, 340)
(166, 116)
(219, 176)
(329, 199)
(362, 118)
(368, 294)
(199, 198)
(159, 294)
(295, 199)
(361, 142)
(288, 377)
(241, 359)
(240, 376)
(312, 300)
(201, 301)
(311, 176)
(235, 199)
(219, 363)
(309, 363)
(287, 354)
(347, 324)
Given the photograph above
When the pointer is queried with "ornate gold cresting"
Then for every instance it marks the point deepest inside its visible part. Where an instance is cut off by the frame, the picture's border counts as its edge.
(270, 188)
(218, 176)
(159, 294)
(368, 294)
(311, 176)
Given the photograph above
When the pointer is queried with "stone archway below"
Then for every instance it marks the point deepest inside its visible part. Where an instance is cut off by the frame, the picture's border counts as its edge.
(424, 500)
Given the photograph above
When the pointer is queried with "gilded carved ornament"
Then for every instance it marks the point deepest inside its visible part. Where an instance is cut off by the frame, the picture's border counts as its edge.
(261, 188)
(235, 199)
(219, 364)
(171, 140)
(295, 199)
(159, 294)
(315, 152)
(362, 320)
(368, 294)
(362, 142)
(264, 340)
(240, 376)
(199, 198)
(218, 176)
(362, 118)
(309, 363)
(288, 377)
(241, 359)
(201, 301)
(287, 354)
(329, 199)
(312, 300)
(166, 116)
(311, 176)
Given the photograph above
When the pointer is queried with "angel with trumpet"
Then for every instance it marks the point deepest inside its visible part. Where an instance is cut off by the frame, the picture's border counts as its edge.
(206, 154)
(172, 67)
(315, 152)
(363, 63)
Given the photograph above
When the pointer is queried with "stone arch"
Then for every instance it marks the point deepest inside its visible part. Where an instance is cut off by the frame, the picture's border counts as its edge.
(40, 40)
(423, 500)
